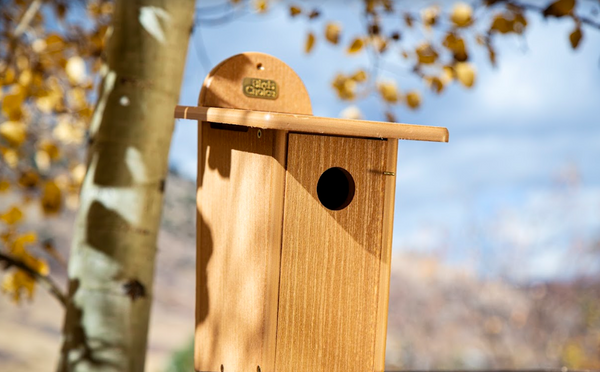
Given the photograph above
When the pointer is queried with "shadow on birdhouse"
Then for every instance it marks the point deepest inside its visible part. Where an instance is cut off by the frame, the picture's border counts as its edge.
(294, 225)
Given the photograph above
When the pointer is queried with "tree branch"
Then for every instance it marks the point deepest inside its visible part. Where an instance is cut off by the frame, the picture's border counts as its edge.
(43, 280)
(27, 17)
(584, 20)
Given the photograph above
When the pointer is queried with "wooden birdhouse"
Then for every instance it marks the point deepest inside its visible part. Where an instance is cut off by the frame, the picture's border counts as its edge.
(294, 229)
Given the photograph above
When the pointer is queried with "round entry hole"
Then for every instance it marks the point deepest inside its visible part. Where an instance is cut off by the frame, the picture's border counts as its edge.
(335, 188)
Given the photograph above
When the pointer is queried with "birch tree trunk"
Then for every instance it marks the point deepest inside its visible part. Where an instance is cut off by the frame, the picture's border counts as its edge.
(114, 245)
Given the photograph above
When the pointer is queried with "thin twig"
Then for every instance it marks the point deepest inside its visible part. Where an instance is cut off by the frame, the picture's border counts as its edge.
(27, 17)
(44, 280)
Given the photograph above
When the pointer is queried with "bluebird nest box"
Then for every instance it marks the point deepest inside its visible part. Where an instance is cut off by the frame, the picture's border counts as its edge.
(294, 229)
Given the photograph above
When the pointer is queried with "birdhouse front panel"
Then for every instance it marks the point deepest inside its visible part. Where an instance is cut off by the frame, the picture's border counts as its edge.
(332, 253)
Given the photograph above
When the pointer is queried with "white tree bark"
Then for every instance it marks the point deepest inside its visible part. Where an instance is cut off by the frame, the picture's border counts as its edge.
(114, 245)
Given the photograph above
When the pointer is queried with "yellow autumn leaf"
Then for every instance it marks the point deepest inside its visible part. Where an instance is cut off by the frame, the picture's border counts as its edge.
(447, 74)
(25, 78)
(50, 148)
(261, 6)
(502, 24)
(430, 15)
(77, 99)
(39, 265)
(388, 91)
(11, 105)
(345, 87)
(309, 43)
(462, 15)
(456, 45)
(332, 32)
(17, 282)
(45, 104)
(14, 132)
(435, 83)
(18, 245)
(379, 43)
(22, 62)
(294, 11)
(519, 23)
(575, 37)
(356, 46)
(413, 99)
(54, 44)
(426, 54)
(29, 179)
(12, 216)
(10, 157)
(465, 73)
(8, 76)
(75, 70)
(68, 132)
(559, 8)
(51, 198)
(359, 76)
(4, 185)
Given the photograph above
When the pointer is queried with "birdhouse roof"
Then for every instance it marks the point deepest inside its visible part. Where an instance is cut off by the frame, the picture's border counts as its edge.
(313, 124)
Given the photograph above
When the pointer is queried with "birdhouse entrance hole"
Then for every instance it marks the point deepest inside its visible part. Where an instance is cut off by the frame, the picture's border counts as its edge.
(335, 188)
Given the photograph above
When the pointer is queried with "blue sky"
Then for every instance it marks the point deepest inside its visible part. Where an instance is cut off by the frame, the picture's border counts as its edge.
(516, 191)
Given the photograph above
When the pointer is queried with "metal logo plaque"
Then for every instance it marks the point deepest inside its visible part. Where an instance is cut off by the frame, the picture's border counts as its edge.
(260, 88)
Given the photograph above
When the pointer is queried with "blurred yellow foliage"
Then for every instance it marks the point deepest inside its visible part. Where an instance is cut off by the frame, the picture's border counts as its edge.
(51, 198)
(356, 46)
(462, 15)
(430, 15)
(12, 216)
(426, 54)
(413, 99)
(465, 73)
(388, 91)
(332, 32)
(19, 282)
(309, 43)
(14, 132)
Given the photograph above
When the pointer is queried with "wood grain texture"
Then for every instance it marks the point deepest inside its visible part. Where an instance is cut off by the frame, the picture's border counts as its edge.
(331, 260)
(314, 124)
(240, 212)
(386, 255)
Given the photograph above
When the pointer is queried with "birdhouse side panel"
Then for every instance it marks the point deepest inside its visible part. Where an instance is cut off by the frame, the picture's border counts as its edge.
(332, 254)
(240, 206)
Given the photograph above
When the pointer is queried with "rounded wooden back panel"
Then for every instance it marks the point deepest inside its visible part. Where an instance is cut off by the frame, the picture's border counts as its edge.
(224, 85)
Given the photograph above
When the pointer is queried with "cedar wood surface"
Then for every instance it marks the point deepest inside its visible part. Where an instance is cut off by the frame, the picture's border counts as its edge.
(386, 255)
(314, 124)
(240, 207)
(331, 260)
